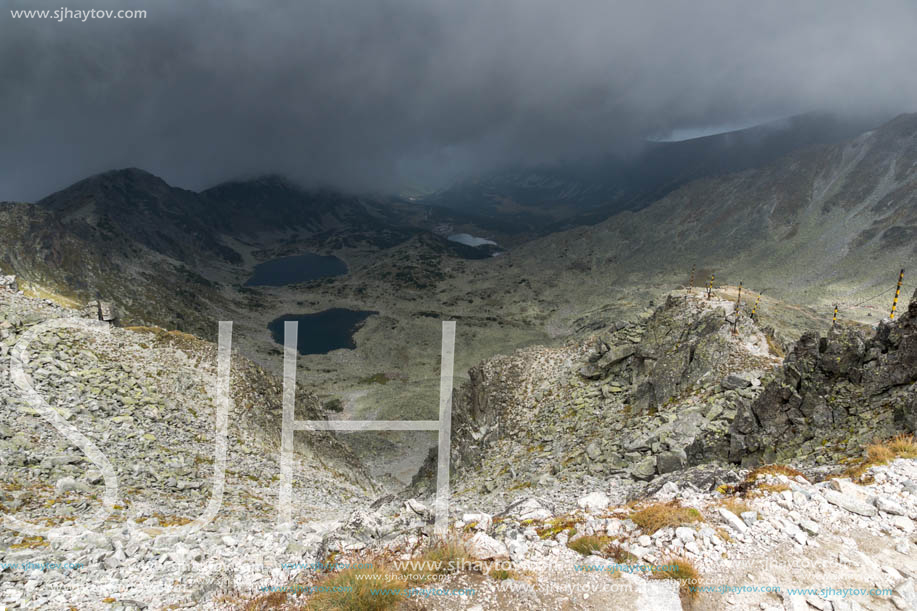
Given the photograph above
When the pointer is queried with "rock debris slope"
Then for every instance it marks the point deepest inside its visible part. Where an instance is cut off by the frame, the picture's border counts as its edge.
(144, 397)
(570, 463)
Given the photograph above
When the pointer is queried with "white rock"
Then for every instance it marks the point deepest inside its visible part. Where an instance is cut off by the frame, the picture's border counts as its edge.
(594, 502)
(793, 602)
(685, 534)
(732, 520)
(749, 517)
(655, 594)
(818, 602)
(889, 506)
(418, 509)
(529, 509)
(850, 503)
(904, 523)
(484, 547)
(809, 527)
(847, 487)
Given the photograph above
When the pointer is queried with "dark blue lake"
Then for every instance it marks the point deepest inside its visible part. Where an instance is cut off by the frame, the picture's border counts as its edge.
(323, 332)
(299, 268)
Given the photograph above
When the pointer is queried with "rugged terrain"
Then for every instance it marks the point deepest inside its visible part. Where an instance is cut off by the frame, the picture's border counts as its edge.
(576, 469)
(830, 224)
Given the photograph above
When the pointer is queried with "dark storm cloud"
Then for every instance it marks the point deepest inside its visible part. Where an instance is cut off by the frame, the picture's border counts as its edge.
(374, 93)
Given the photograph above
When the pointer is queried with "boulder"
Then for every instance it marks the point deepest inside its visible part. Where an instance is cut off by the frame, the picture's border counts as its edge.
(667, 462)
(594, 501)
(735, 382)
(644, 469)
(850, 503)
(9, 282)
(527, 509)
(484, 547)
(732, 520)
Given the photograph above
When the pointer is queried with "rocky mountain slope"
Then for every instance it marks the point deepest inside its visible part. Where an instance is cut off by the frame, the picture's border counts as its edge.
(692, 382)
(575, 467)
(145, 397)
(169, 256)
(540, 200)
(812, 229)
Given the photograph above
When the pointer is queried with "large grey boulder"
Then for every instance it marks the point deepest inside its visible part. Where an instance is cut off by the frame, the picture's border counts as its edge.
(645, 469)
(850, 503)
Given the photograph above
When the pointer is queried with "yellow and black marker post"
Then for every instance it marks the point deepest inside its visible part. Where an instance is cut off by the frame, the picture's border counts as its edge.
(710, 286)
(834, 320)
(692, 277)
(735, 322)
(754, 308)
(897, 292)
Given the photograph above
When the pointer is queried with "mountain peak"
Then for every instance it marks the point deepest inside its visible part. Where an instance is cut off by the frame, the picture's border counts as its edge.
(127, 180)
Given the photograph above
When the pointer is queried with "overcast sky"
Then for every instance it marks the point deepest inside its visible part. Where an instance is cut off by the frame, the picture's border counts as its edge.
(378, 93)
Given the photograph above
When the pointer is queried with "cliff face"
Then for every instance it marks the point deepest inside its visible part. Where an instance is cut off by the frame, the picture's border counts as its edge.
(676, 389)
(834, 395)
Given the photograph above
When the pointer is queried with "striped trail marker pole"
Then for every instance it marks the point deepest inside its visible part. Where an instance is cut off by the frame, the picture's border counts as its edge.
(735, 322)
(754, 308)
(834, 320)
(692, 277)
(710, 286)
(897, 292)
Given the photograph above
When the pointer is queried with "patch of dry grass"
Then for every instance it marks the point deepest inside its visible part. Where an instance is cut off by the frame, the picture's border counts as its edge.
(662, 515)
(903, 446)
(265, 602)
(589, 544)
(751, 487)
(684, 572)
(773, 470)
(765, 489)
(881, 453)
(440, 558)
(168, 520)
(557, 525)
(615, 551)
(362, 589)
(735, 505)
(774, 347)
(29, 542)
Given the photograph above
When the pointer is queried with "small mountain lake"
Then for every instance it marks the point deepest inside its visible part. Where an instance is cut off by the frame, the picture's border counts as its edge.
(296, 269)
(324, 331)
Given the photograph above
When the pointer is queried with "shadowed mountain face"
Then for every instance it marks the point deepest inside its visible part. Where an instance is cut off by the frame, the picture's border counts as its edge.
(162, 253)
(547, 199)
(825, 225)
(829, 224)
(135, 205)
(834, 215)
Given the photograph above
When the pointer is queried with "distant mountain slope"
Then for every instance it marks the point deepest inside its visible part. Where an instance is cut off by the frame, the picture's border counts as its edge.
(546, 199)
(163, 254)
(833, 223)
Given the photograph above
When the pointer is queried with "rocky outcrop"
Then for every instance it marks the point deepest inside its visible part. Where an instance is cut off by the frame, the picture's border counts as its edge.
(641, 399)
(9, 283)
(100, 310)
(834, 395)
